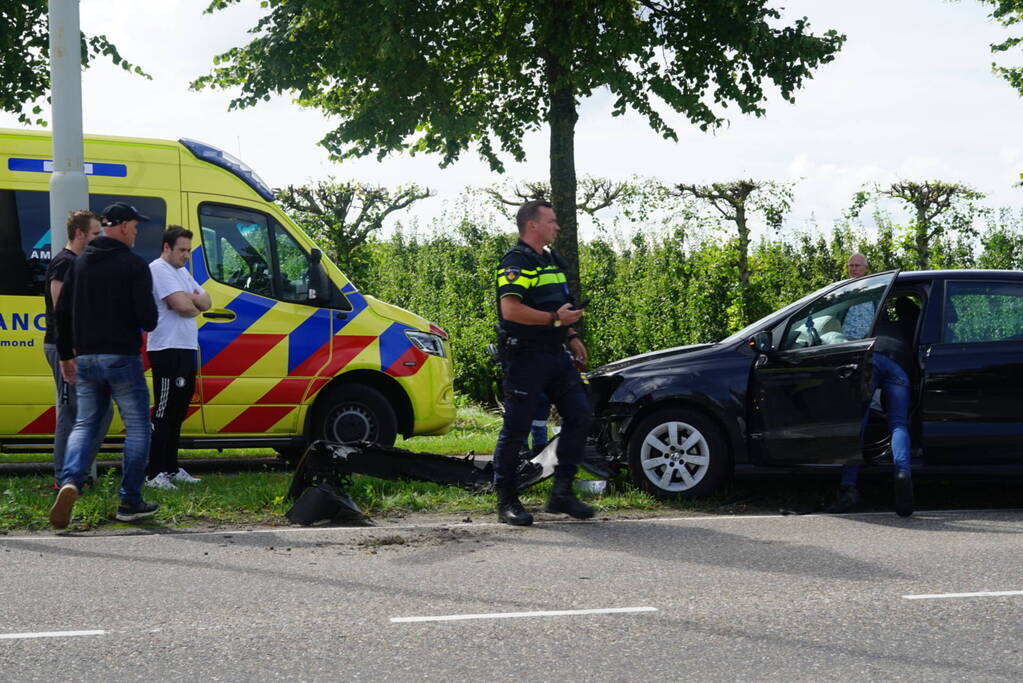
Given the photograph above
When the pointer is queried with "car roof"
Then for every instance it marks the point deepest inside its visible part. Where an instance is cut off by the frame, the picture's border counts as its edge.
(974, 274)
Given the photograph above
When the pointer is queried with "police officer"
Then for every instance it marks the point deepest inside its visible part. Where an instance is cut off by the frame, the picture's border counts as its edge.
(536, 312)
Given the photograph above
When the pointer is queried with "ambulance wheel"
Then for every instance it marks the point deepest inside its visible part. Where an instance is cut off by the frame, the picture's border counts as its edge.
(676, 453)
(354, 412)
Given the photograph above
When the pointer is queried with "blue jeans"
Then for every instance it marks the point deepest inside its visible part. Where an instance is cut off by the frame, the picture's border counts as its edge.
(66, 402)
(100, 378)
(894, 383)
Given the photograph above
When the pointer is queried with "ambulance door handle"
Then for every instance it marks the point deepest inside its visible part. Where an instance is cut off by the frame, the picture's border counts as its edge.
(219, 315)
(341, 315)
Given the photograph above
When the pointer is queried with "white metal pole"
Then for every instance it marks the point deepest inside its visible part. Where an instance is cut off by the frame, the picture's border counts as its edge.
(69, 187)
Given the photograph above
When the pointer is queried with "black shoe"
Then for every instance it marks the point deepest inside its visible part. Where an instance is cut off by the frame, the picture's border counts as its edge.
(130, 512)
(903, 494)
(563, 500)
(848, 498)
(510, 510)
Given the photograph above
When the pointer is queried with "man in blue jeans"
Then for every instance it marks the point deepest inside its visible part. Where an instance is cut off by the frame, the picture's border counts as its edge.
(106, 299)
(891, 355)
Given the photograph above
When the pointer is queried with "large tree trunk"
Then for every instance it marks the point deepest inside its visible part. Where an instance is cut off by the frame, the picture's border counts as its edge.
(561, 117)
(562, 120)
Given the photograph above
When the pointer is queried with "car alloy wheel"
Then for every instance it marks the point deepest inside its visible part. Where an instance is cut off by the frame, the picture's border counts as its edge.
(675, 456)
(677, 453)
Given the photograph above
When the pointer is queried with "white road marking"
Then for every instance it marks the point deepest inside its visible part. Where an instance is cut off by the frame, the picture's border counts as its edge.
(982, 594)
(50, 634)
(520, 615)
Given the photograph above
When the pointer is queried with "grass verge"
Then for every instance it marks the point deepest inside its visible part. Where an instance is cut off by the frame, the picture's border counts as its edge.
(257, 499)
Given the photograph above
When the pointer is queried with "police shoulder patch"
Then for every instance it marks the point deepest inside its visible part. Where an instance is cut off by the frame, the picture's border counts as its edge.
(511, 274)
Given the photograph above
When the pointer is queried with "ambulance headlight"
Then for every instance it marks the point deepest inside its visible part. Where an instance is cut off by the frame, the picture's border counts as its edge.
(426, 342)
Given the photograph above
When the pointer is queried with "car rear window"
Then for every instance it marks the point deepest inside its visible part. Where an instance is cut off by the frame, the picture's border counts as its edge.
(978, 312)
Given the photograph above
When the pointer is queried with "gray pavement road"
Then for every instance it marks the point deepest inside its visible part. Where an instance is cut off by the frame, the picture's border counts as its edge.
(732, 598)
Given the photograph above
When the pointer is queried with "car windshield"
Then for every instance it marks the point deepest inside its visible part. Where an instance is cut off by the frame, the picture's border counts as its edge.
(753, 328)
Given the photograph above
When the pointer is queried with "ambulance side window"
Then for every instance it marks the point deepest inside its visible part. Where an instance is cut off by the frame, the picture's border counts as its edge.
(25, 240)
(237, 247)
(20, 273)
(252, 251)
(293, 267)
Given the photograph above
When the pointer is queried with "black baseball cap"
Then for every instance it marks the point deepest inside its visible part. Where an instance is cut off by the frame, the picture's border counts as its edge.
(119, 212)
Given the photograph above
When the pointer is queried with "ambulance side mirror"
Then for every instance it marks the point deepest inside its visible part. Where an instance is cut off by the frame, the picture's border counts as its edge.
(319, 283)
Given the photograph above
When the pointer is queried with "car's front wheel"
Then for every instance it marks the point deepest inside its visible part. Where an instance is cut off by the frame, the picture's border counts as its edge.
(677, 453)
(355, 412)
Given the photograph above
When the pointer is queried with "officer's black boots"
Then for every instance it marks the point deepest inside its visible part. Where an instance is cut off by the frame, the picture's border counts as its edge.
(510, 510)
(563, 500)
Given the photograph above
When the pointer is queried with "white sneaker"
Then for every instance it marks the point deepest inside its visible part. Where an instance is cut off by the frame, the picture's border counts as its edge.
(182, 476)
(160, 481)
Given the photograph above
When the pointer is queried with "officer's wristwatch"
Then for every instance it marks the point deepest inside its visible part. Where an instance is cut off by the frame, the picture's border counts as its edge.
(555, 320)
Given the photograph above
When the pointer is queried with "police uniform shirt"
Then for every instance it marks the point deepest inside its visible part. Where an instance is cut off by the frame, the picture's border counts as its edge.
(539, 281)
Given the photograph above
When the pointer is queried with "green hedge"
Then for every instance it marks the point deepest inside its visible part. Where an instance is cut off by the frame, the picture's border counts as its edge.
(647, 290)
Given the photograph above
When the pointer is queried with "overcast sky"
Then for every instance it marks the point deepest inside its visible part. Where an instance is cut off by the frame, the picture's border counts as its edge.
(911, 96)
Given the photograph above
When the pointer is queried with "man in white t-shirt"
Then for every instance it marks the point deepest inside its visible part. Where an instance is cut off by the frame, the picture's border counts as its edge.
(172, 350)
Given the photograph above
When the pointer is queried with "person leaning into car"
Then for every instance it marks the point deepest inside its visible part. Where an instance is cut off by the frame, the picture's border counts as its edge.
(536, 314)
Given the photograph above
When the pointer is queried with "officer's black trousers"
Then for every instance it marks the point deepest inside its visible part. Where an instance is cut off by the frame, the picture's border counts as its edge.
(173, 385)
(529, 373)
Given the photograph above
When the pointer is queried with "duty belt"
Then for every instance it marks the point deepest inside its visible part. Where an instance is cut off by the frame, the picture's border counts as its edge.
(519, 344)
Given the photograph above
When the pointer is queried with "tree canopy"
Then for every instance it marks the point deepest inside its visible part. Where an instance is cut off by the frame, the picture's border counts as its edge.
(448, 76)
(25, 58)
(1008, 13)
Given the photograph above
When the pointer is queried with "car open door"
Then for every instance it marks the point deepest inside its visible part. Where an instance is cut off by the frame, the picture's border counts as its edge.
(810, 392)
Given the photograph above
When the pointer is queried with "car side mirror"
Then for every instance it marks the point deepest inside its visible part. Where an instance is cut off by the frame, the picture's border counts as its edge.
(761, 344)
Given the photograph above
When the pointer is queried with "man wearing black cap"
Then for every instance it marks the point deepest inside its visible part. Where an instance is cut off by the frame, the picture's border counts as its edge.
(106, 299)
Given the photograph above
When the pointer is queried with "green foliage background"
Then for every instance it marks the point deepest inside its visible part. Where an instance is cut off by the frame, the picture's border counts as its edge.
(652, 287)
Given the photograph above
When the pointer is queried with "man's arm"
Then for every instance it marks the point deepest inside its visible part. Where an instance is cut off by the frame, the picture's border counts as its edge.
(55, 287)
(201, 300)
(182, 304)
(62, 313)
(513, 310)
(144, 303)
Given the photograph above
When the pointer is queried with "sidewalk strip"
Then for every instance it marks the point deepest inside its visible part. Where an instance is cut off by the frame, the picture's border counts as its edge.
(520, 615)
(938, 596)
(49, 634)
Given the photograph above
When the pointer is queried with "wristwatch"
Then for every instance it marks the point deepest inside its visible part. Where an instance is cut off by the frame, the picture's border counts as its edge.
(555, 320)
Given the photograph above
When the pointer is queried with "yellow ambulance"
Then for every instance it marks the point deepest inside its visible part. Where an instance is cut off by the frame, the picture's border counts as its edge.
(290, 351)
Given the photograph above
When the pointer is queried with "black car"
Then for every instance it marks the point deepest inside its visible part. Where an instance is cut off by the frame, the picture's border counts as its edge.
(796, 387)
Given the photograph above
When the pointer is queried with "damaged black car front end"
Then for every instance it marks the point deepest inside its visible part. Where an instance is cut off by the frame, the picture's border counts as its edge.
(675, 418)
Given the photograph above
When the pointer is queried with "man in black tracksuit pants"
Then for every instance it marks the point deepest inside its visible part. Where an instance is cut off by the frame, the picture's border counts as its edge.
(172, 348)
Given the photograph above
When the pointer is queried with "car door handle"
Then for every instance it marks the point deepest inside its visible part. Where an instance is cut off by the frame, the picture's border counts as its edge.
(846, 371)
(219, 315)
